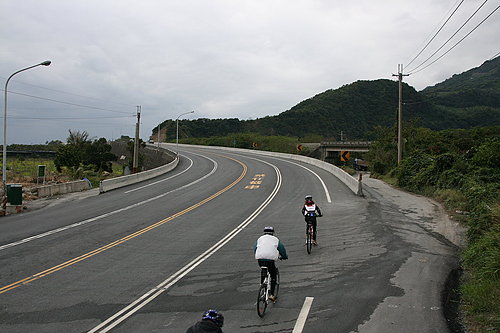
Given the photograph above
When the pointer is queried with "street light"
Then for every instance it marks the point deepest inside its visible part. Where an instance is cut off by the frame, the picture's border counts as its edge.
(177, 136)
(4, 162)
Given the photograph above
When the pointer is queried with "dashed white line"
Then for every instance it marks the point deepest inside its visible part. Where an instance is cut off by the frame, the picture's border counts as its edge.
(135, 306)
(301, 320)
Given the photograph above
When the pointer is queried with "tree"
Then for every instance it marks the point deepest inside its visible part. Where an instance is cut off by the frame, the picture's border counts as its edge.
(98, 154)
(80, 151)
(68, 156)
(77, 138)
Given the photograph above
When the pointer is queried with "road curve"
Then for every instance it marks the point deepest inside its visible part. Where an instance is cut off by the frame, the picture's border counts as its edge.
(152, 257)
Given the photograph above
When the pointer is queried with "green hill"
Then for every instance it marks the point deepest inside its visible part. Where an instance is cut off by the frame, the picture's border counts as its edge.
(470, 99)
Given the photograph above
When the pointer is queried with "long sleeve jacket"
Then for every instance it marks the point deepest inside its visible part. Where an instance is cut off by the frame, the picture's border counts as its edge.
(269, 247)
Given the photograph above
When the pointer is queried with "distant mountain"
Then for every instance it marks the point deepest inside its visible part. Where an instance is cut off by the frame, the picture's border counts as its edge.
(465, 100)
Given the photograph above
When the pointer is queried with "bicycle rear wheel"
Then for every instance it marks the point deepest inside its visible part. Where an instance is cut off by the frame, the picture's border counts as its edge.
(261, 300)
(309, 239)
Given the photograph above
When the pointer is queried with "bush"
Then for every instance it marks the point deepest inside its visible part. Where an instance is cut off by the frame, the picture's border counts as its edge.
(452, 199)
(416, 172)
(484, 255)
(380, 167)
(450, 179)
(488, 154)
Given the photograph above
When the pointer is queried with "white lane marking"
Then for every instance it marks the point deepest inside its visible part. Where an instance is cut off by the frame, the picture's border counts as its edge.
(327, 194)
(165, 179)
(129, 310)
(93, 219)
(301, 320)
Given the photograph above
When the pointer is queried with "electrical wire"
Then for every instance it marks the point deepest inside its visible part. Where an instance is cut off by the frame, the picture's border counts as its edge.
(68, 93)
(454, 34)
(496, 55)
(442, 26)
(451, 48)
(66, 118)
(67, 103)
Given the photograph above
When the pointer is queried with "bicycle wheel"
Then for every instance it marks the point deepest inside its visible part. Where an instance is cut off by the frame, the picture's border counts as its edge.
(261, 300)
(277, 287)
(309, 239)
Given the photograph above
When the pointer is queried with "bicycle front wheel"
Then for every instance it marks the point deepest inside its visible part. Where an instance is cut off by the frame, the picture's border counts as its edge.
(277, 287)
(261, 300)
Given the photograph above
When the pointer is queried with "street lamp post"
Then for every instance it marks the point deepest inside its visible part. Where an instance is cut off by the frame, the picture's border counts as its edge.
(4, 161)
(177, 123)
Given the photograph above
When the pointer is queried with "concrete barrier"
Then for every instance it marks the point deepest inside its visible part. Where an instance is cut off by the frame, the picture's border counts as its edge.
(114, 183)
(352, 183)
(75, 186)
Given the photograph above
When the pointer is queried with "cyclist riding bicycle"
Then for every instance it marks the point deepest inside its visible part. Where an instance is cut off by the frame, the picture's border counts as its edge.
(211, 322)
(310, 210)
(267, 249)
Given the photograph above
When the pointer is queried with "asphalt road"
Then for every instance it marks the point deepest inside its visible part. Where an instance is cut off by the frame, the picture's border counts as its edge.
(153, 256)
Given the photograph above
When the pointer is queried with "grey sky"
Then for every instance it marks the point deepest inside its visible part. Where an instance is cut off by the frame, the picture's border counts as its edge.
(221, 58)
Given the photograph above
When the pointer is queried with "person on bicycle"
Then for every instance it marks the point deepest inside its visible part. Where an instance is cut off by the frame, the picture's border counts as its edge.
(267, 249)
(310, 210)
(211, 322)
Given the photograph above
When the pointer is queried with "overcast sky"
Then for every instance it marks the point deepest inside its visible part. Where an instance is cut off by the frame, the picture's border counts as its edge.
(220, 58)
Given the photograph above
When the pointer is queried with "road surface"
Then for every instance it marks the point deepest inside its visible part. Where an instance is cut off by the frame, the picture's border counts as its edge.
(153, 256)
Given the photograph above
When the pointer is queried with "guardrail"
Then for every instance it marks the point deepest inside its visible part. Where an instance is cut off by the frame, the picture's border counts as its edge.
(75, 186)
(352, 183)
(114, 183)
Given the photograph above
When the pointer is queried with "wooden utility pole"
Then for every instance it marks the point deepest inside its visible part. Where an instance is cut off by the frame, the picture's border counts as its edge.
(400, 112)
(135, 163)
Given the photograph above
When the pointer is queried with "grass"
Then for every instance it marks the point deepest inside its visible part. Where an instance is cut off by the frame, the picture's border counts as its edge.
(480, 304)
(24, 171)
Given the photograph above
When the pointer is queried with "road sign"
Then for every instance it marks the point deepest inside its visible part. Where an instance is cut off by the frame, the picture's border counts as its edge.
(344, 156)
(299, 147)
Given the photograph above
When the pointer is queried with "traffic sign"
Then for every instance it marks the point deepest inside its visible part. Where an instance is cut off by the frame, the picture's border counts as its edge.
(299, 147)
(344, 156)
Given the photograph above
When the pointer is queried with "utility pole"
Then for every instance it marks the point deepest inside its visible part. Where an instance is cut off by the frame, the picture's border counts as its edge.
(135, 163)
(400, 112)
(159, 136)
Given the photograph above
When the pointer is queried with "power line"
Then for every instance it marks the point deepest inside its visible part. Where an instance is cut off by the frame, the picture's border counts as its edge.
(496, 55)
(454, 34)
(71, 94)
(67, 103)
(458, 41)
(67, 118)
(442, 26)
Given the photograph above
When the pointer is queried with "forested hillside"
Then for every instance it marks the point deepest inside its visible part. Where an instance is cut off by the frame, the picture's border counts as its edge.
(466, 100)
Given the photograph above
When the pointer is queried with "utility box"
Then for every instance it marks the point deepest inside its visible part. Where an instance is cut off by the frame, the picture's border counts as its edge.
(15, 194)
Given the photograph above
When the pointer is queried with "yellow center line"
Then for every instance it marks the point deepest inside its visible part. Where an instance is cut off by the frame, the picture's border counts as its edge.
(124, 239)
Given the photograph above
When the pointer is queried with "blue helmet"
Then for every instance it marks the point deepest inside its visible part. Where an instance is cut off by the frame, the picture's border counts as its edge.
(214, 316)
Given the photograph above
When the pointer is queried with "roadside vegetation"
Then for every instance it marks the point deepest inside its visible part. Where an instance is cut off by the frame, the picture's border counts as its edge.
(461, 169)
(79, 158)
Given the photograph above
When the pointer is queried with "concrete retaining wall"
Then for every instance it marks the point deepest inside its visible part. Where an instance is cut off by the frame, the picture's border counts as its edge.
(352, 183)
(114, 183)
(75, 186)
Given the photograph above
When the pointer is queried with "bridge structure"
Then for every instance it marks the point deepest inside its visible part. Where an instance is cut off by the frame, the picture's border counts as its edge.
(330, 149)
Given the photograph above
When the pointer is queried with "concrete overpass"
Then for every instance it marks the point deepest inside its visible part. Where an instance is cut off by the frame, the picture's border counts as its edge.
(328, 149)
